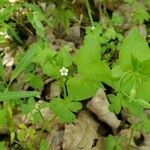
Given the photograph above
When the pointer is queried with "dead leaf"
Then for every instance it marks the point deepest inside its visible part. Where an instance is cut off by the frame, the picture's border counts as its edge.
(82, 134)
(99, 105)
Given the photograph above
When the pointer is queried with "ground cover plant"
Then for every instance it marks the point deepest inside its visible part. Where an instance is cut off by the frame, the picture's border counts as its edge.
(75, 74)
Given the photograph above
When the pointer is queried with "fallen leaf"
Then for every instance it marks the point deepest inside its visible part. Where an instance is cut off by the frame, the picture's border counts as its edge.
(82, 134)
(100, 106)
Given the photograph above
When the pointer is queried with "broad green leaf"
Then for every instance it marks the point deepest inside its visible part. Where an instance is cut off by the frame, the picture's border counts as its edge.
(143, 90)
(80, 88)
(145, 67)
(27, 59)
(10, 95)
(59, 107)
(28, 107)
(74, 106)
(36, 82)
(135, 45)
(143, 103)
(115, 105)
(146, 125)
(136, 64)
(97, 71)
(90, 51)
(44, 144)
(2, 146)
(134, 108)
(51, 70)
(110, 143)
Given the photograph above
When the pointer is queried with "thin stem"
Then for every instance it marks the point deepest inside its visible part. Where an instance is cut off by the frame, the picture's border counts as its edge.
(64, 90)
(89, 12)
(41, 115)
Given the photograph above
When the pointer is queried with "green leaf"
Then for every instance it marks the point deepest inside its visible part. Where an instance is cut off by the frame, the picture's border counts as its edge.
(26, 60)
(10, 95)
(134, 108)
(80, 88)
(97, 71)
(8, 11)
(35, 19)
(28, 107)
(143, 103)
(14, 34)
(3, 120)
(62, 17)
(44, 144)
(136, 64)
(115, 103)
(143, 90)
(145, 69)
(110, 143)
(64, 58)
(59, 107)
(51, 70)
(134, 44)
(36, 82)
(74, 106)
(90, 51)
(2, 146)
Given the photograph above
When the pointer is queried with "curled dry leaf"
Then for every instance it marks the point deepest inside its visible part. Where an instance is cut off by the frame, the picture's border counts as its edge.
(82, 134)
(99, 105)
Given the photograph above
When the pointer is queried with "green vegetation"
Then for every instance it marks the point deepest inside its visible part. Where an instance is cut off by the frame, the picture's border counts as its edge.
(114, 55)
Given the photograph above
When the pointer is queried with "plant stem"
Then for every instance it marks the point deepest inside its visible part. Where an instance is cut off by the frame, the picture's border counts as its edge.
(89, 12)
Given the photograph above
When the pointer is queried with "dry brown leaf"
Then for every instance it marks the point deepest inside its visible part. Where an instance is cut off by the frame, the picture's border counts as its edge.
(99, 105)
(82, 134)
(55, 139)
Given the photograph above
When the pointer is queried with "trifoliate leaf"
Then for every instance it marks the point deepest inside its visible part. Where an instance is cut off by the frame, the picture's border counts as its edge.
(60, 108)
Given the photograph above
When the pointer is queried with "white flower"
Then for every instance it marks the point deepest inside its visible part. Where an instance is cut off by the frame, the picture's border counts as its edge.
(64, 71)
(93, 28)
